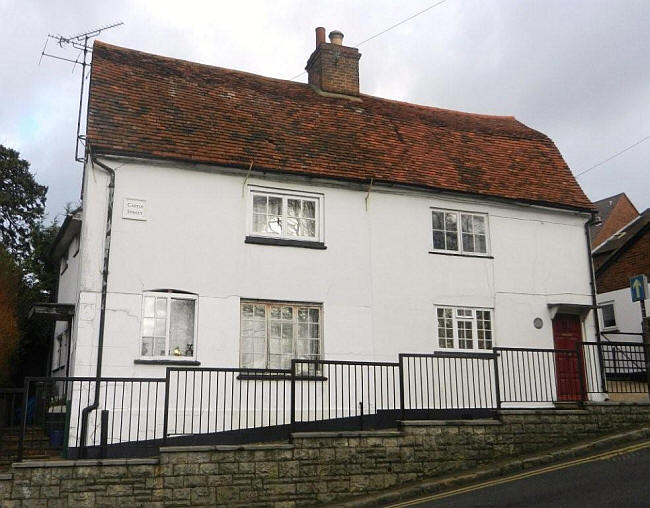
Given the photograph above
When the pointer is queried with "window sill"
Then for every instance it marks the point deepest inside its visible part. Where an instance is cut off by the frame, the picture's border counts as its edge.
(281, 377)
(263, 240)
(464, 353)
(146, 361)
(484, 256)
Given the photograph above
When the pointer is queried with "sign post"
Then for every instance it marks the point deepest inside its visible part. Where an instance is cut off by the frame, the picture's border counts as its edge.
(639, 290)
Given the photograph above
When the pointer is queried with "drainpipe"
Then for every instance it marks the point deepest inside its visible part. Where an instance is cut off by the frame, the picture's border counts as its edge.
(102, 316)
(595, 220)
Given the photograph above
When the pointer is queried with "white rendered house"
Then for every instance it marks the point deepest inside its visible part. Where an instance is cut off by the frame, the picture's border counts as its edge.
(232, 220)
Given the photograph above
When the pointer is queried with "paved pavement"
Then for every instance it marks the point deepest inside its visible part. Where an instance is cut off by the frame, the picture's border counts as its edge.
(618, 478)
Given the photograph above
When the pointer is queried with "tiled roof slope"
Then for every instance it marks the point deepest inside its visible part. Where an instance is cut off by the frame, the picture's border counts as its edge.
(153, 106)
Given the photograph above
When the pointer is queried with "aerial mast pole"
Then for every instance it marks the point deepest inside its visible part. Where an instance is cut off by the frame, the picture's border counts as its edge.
(81, 42)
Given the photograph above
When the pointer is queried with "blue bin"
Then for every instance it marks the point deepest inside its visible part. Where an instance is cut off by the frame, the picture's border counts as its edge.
(56, 438)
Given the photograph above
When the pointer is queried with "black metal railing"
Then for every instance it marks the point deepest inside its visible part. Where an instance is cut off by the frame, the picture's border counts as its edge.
(130, 415)
(11, 402)
(11, 405)
(344, 394)
(531, 376)
(441, 384)
(621, 365)
(219, 402)
(233, 405)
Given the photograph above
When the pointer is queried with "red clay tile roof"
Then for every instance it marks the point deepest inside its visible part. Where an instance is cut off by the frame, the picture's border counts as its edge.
(152, 106)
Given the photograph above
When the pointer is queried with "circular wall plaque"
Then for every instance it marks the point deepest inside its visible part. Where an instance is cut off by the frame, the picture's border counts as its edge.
(538, 323)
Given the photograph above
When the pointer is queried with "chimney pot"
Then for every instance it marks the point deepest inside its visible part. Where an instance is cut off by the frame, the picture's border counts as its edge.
(320, 36)
(336, 37)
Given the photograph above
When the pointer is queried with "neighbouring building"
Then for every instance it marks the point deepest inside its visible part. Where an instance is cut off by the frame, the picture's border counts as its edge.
(614, 212)
(235, 220)
(624, 254)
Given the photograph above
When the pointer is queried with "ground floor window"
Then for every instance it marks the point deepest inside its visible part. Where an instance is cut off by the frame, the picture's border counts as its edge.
(272, 333)
(609, 318)
(168, 325)
(464, 328)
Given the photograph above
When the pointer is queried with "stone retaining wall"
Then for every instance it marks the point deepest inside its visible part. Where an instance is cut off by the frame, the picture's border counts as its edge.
(313, 468)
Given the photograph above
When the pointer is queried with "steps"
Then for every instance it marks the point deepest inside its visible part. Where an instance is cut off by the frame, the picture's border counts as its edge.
(36, 445)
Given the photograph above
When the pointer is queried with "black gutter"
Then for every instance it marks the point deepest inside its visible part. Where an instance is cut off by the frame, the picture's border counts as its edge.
(102, 316)
(594, 300)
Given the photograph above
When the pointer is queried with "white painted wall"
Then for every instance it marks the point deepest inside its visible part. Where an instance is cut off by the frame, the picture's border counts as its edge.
(627, 313)
(377, 281)
(67, 292)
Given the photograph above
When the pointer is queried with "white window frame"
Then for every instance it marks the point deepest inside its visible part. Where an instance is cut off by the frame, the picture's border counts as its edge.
(455, 319)
(459, 233)
(285, 195)
(602, 316)
(169, 295)
(268, 304)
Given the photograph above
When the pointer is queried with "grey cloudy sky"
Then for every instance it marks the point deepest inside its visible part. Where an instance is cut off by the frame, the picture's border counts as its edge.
(578, 70)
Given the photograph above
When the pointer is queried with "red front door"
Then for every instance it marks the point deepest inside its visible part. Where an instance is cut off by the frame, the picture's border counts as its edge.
(567, 332)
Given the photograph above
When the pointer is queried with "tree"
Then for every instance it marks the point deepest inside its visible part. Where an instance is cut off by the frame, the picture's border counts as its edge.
(40, 276)
(27, 274)
(22, 204)
(10, 282)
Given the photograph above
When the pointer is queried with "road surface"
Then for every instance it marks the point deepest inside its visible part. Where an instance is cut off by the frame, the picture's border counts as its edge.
(619, 478)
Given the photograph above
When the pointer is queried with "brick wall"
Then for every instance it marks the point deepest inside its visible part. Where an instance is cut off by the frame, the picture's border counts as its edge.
(314, 468)
(335, 69)
(634, 261)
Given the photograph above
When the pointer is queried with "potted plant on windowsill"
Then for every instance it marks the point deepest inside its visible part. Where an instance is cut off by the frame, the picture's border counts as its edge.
(189, 350)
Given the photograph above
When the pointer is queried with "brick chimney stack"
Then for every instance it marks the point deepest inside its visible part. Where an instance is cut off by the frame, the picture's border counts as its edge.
(332, 67)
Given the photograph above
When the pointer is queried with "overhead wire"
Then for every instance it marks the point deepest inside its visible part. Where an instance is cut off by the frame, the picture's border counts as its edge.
(386, 30)
(612, 157)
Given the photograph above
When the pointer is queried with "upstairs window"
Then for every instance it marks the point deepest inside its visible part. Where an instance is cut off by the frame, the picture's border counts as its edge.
(286, 216)
(609, 318)
(459, 232)
(464, 328)
(272, 333)
(168, 325)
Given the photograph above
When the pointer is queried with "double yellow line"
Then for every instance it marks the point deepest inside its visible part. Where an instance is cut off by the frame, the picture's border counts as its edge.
(601, 456)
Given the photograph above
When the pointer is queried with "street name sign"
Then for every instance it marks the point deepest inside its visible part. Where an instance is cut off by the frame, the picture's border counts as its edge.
(639, 288)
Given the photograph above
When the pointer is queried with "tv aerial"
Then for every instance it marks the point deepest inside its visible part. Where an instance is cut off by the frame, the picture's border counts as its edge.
(80, 42)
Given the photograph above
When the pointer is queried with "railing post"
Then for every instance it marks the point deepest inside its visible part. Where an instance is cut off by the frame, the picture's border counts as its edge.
(166, 410)
(293, 395)
(581, 373)
(361, 415)
(401, 386)
(601, 366)
(66, 435)
(23, 424)
(497, 383)
(103, 440)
